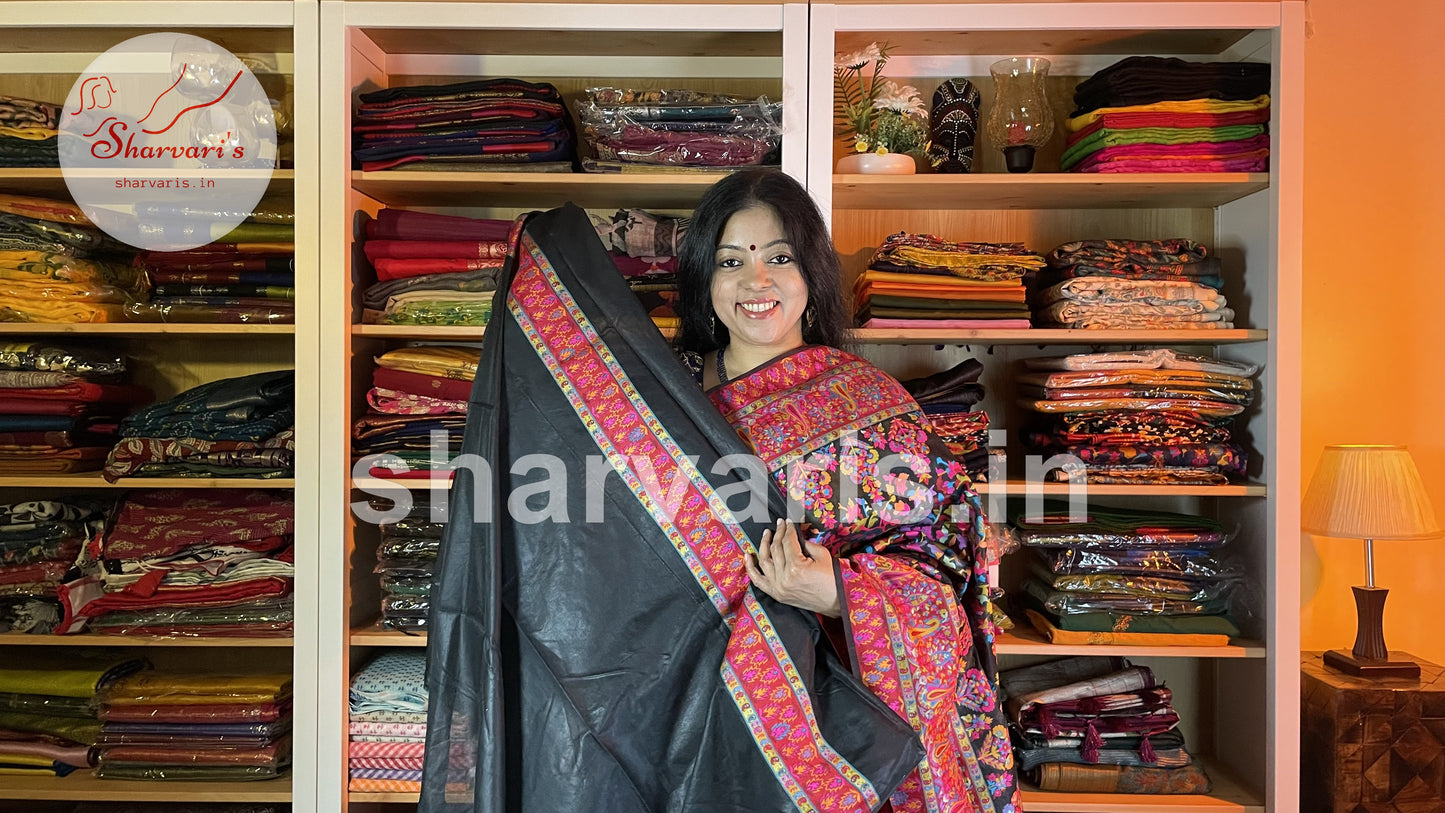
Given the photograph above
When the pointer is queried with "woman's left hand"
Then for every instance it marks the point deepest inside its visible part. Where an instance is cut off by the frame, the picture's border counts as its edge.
(795, 572)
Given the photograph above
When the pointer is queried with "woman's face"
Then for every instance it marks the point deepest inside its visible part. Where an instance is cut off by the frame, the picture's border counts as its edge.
(758, 289)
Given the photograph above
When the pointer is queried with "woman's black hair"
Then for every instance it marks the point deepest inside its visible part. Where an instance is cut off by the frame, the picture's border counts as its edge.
(803, 225)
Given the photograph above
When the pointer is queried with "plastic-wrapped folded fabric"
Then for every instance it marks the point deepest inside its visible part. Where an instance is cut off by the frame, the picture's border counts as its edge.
(1200, 406)
(71, 673)
(1224, 459)
(448, 361)
(220, 712)
(1181, 564)
(728, 132)
(179, 310)
(251, 407)
(418, 308)
(403, 224)
(1108, 528)
(183, 688)
(45, 748)
(482, 279)
(73, 729)
(188, 773)
(1065, 603)
(1165, 391)
(262, 619)
(1141, 475)
(1063, 777)
(1135, 585)
(1111, 637)
(272, 457)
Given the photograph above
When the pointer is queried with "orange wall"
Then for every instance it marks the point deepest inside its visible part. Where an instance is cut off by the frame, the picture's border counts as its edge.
(1374, 293)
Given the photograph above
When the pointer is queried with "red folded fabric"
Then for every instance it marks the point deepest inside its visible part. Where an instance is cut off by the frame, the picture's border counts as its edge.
(83, 391)
(86, 598)
(440, 249)
(206, 713)
(156, 523)
(1126, 121)
(400, 224)
(388, 750)
(33, 572)
(450, 389)
(389, 268)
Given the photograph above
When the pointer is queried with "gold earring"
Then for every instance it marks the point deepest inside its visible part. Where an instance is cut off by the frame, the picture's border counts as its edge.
(810, 315)
(712, 324)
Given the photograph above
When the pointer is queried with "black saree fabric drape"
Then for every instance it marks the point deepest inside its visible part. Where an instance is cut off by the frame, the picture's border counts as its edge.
(623, 664)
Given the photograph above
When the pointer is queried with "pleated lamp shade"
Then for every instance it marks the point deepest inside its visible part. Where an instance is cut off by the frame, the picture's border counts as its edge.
(1368, 492)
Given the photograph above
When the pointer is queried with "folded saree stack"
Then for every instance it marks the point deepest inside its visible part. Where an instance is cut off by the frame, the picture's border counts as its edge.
(1143, 416)
(234, 427)
(1132, 284)
(1126, 576)
(487, 125)
(241, 275)
(1156, 114)
(643, 246)
(48, 709)
(190, 562)
(195, 727)
(432, 269)
(39, 542)
(405, 562)
(57, 267)
(417, 410)
(1098, 725)
(948, 399)
(29, 133)
(923, 281)
(677, 130)
(60, 406)
(388, 724)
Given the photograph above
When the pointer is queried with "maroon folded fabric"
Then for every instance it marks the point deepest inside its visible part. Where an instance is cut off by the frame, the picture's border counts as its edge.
(204, 713)
(81, 391)
(450, 389)
(442, 249)
(163, 522)
(389, 269)
(400, 224)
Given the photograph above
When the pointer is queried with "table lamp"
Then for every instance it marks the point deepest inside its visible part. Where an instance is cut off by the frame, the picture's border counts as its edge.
(1369, 493)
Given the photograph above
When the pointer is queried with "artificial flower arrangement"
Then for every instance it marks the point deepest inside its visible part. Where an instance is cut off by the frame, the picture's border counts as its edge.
(877, 114)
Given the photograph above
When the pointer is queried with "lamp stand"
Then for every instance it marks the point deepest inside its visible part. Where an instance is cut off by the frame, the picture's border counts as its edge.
(1370, 657)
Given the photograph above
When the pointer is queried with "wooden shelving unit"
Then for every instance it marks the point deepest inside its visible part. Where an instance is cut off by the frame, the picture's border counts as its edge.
(121, 329)
(93, 639)
(1024, 641)
(1228, 795)
(82, 787)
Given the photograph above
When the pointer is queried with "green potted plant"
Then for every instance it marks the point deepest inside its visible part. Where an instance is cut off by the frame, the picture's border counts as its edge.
(883, 125)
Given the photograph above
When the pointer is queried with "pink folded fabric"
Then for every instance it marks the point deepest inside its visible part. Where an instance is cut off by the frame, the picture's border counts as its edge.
(387, 750)
(407, 764)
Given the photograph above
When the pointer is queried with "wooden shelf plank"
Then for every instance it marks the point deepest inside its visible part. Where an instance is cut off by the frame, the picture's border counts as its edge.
(1227, 795)
(471, 333)
(1022, 641)
(1045, 190)
(1057, 336)
(82, 786)
(92, 479)
(374, 635)
(93, 639)
(538, 189)
(937, 42)
(49, 182)
(501, 42)
(144, 329)
(1011, 487)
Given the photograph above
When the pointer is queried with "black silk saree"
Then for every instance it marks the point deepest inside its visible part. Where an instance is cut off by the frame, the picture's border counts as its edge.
(610, 656)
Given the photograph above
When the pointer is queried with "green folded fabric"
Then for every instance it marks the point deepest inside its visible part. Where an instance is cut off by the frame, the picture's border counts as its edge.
(68, 674)
(1105, 137)
(85, 732)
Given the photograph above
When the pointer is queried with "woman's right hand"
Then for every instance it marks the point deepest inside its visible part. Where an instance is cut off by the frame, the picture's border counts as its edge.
(795, 572)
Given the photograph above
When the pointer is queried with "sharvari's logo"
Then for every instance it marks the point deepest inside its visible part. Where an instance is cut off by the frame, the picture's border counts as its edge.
(167, 141)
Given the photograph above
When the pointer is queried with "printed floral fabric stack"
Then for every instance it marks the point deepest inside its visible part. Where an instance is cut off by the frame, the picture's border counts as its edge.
(57, 267)
(948, 399)
(1156, 114)
(388, 724)
(206, 562)
(195, 727)
(922, 281)
(61, 406)
(416, 392)
(241, 275)
(234, 427)
(1132, 284)
(405, 563)
(48, 705)
(432, 269)
(677, 130)
(1098, 725)
(40, 541)
(1143, 577)
(1143, 416)
(643, 246)
(484, 125)
(29, 133)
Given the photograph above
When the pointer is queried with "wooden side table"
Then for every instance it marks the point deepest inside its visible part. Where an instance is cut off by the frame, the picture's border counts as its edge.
(1371, 745)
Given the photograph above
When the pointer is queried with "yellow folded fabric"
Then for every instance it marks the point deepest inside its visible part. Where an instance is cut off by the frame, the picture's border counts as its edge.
(1189, 106)
(28, 133)
(443, 361)
(182, 689)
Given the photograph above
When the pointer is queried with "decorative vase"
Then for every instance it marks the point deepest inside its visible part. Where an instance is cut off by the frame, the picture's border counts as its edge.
(1020, 120)
(953, 126)
(871, 163)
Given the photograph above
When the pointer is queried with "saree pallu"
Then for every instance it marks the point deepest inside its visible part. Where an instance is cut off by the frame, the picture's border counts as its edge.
(645, 673)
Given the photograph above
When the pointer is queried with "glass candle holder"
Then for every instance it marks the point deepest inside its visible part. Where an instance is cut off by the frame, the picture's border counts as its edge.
(1020, 120)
